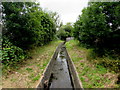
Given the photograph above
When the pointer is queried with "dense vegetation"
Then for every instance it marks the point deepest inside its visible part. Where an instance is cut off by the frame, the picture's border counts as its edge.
(65, 31)
(99, 28)
(25, 25)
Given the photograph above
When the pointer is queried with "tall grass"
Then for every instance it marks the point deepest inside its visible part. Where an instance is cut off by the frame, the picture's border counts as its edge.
(107, 61)
(93, 71)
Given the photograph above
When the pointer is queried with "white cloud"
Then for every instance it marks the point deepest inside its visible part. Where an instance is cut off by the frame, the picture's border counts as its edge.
(67, 9)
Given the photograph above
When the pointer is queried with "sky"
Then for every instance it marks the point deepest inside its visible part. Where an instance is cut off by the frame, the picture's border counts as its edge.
(67, 9)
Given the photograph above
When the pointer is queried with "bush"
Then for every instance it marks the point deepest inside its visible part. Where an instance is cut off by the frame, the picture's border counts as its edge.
(10, 53)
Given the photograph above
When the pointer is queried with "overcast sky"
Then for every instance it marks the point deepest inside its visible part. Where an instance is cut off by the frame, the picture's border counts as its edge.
(67, 9)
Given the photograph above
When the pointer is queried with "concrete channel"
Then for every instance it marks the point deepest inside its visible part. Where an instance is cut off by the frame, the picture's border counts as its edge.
(60, 72)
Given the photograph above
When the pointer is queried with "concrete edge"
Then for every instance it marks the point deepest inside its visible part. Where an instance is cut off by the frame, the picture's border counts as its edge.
(48, 70)
(75, 78)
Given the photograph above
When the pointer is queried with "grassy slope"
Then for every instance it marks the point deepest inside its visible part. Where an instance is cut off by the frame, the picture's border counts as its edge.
(28, 73)
(91, 75)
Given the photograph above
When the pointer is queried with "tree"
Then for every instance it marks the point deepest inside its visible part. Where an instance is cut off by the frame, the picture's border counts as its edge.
(65, 31)
(98, 26)
(25, 25)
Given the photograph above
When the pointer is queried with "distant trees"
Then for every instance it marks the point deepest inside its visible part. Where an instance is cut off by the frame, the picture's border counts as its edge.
(56, 18)
(99, 26)
(25, 25)
(65, 31)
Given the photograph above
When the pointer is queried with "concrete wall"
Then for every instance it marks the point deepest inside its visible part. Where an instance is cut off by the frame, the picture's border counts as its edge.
(74, 75)
(69, 38)
(44, 80)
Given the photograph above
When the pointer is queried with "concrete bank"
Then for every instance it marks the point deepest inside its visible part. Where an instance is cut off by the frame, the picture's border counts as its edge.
(60, 72)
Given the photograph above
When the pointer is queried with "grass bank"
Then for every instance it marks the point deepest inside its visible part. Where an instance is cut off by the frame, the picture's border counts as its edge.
(27, 73)
(90, 73)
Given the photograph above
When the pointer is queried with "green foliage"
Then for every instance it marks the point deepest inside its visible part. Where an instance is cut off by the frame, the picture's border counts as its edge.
(25, 25)
(107, 61)
(65, 31)
(92, 72)
(29, 69)
(68, 29)
(10, 53)
(61, 34)
(28, 25)
(56, 18)
(36, 78)
(99, 26)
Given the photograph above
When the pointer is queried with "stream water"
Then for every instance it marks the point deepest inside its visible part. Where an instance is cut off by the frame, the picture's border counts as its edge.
(61, 77)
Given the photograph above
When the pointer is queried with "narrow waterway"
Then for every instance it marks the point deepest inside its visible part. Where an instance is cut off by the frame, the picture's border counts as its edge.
(61, 77)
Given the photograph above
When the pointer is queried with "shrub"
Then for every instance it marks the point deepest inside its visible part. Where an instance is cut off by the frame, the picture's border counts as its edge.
(10, 53)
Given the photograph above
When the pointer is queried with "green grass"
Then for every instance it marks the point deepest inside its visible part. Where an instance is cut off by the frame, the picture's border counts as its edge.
(29, 72)
(29, 69)
(36, 78)
(91, 74)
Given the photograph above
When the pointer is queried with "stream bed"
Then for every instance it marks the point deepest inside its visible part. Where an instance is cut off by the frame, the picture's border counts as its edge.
(61, 76)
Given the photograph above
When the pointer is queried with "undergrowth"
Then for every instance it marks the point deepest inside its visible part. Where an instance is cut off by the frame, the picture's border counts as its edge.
(93, 71)
(107, 61)
(16, 63)
(27, 74)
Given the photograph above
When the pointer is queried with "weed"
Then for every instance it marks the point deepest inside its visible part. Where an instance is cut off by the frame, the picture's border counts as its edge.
(29, 69)
(90, 70)
(13, 79)
(31, 76)
(36, 78)
(44, 64)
